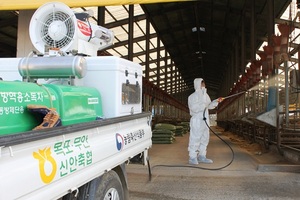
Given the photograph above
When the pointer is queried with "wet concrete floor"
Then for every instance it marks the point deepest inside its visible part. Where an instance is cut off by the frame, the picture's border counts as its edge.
(173, 179)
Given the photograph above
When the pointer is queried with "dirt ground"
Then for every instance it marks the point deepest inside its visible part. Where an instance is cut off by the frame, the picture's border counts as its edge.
(253, 174)
(257, 150)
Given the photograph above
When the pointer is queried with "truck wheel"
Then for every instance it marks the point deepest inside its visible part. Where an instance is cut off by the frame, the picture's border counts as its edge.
(106, 187)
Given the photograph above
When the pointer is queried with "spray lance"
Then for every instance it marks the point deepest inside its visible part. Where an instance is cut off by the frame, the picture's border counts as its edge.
(220, 99)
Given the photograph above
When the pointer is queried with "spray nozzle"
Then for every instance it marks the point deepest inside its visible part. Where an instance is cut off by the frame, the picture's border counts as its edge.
(220, 99)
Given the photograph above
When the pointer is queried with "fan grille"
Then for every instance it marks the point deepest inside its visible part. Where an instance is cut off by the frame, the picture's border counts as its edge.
(65, 28)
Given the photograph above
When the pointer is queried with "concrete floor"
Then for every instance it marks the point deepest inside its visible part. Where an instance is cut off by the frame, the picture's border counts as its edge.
(254, 173)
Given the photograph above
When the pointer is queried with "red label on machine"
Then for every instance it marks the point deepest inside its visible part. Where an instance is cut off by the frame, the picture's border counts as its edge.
(84, 28)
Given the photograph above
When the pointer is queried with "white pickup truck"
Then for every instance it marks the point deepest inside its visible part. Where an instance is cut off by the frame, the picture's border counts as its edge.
(69, 123)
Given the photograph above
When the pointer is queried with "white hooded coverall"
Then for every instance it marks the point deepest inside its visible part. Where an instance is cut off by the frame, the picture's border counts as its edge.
(199, 132)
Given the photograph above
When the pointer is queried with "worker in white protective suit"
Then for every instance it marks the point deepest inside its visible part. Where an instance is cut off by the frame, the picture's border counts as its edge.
(199, 131)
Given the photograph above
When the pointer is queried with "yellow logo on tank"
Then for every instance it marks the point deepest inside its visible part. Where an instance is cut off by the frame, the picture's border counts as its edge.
(44, 157)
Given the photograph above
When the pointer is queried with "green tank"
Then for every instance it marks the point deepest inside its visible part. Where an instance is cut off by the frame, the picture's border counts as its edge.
(73, 104)
(77, 104)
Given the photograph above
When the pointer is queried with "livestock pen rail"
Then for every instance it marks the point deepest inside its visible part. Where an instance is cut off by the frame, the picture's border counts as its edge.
(267, 113)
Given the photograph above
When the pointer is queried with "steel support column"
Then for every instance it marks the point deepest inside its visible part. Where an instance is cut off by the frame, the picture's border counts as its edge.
(237, 56)
(158, 62)
(166, 70)
(130, 32)
(243, 49)
(176, 82)
(101, 16)
(147, 65)
(171, 77)
(253, 31)
(271, 20)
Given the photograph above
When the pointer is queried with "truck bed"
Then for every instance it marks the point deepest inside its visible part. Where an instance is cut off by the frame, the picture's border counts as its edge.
(46, 164)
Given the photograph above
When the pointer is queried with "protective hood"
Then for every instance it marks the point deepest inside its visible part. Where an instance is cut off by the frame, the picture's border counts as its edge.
(197, 83)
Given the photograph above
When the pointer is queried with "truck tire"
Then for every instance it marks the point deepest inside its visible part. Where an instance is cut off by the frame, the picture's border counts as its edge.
(106, 187)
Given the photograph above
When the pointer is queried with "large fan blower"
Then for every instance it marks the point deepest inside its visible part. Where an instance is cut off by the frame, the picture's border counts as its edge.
(55, 26)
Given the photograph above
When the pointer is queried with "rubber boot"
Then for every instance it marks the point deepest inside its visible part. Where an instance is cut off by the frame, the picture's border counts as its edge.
(193, 161)
(203, 159)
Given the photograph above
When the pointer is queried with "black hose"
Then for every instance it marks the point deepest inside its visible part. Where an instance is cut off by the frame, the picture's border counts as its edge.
(232, 152)
(197, 167)
(149, 169)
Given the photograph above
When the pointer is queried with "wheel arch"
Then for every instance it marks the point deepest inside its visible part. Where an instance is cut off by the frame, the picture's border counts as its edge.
(121, 171)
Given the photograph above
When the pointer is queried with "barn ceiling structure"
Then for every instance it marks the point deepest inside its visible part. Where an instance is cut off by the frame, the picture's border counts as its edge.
(212, 39)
